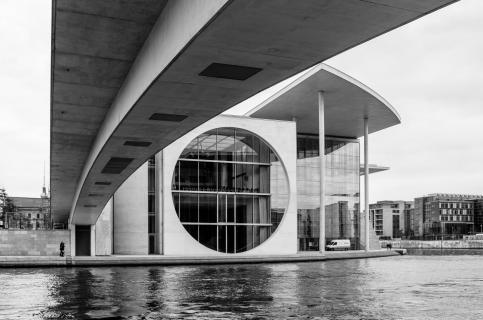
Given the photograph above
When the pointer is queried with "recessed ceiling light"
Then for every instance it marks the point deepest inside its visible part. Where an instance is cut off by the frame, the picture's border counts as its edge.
(116, 165)
(133, 143)
(229, 71)
(167, 117)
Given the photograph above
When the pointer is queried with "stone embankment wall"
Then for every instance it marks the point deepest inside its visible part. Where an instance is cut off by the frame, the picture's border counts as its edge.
(33, 242)
(445, 251)
(435, 244)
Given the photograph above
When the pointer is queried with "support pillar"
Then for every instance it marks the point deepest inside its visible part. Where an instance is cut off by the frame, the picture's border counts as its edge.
(93, 240)
(72, 239)
(322, 171)
(160, 205)
(366, 182)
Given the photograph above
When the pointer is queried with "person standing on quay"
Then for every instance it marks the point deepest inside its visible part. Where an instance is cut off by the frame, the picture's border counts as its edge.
(62, 247)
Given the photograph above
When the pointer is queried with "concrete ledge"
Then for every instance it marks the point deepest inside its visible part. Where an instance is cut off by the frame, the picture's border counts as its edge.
(445, 251)
(33, 261)
(151, 260)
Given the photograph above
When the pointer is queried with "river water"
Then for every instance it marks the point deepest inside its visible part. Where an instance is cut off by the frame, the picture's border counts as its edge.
(406, 287)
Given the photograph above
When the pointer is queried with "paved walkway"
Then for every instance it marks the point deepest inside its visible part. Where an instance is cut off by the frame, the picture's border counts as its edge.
(133, 260)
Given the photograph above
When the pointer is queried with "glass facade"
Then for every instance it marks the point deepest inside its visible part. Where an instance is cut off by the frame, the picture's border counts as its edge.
(341, 191)
(230, 190)
(152, 230)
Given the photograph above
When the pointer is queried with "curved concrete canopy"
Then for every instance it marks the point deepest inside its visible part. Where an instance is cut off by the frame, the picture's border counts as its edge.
(373, 168)
(347, 102)
(275, 38)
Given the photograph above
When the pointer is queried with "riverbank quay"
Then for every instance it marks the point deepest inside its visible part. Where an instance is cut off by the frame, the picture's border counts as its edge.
(434, 244)
(445, 251)
(438, 247)
(33, 243)
(158, 260)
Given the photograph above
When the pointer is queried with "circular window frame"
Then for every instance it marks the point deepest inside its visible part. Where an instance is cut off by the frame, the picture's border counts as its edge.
(176, 209)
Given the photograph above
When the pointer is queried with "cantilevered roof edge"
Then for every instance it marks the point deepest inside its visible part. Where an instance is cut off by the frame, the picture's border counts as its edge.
(314, 70)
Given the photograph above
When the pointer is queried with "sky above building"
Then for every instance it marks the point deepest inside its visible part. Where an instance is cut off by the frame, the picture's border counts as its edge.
(430, 70)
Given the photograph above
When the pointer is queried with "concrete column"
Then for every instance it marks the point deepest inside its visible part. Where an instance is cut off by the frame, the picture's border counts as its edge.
(160, 205)
(131, 214)
(322, 171)
(93, 240)
(72, 239)
(366, 181)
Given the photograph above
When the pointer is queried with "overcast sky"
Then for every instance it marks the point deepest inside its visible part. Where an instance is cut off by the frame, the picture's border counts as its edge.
(430, 70)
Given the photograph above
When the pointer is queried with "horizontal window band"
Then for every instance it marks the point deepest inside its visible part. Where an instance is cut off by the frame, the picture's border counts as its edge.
(226, 224)
(224, 192)
(226, 161)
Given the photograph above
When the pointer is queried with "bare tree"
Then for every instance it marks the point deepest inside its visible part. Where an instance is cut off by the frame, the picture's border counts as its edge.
(6, 206)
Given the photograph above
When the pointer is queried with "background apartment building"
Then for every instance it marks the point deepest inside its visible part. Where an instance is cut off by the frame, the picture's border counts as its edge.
(447, 214)
(391, 218)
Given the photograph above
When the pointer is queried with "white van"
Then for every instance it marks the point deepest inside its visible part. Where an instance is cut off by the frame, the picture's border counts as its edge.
(338, 244)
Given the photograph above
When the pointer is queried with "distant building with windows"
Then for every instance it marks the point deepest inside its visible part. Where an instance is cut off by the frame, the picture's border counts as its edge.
(449, 214)
(392, 218)
(478, 215)
(29, 213)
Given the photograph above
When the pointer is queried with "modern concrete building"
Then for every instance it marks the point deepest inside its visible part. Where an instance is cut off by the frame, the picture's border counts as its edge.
(448, 214)
(251, 184)
(391, 219)
(133, 80)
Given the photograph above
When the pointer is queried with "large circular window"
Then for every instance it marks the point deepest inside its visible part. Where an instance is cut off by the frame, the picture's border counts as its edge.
(229, 190)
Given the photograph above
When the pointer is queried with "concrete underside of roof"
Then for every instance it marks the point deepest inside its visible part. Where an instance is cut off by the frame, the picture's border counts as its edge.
(115, 63)
(346, 103)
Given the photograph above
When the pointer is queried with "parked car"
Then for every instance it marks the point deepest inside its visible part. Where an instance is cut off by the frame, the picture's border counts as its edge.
(338, 244)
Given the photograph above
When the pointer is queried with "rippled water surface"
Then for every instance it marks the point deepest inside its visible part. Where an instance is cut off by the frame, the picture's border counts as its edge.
(409, 287)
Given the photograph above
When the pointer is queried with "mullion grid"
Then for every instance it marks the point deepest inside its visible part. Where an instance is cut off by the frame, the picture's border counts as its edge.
(225, 195)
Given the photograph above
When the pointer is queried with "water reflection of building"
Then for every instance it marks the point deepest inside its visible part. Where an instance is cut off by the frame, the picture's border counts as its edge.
(250, 184)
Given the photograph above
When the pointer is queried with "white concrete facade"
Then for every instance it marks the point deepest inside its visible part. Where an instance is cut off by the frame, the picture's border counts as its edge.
(130, 218)
(126, 214)
(104, 231)
(281, 136)
(129, 213)
(122, 227)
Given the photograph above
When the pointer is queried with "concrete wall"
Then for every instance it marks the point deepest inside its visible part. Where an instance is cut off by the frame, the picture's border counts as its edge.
(417, 217)
(373, 237)
(103, 233)
(281, 136)
(436, 244)
(444, 251)
(33, 242)
(130, 218)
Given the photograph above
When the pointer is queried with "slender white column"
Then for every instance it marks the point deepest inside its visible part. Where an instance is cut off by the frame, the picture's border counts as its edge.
(366, 181)
(322, 171)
